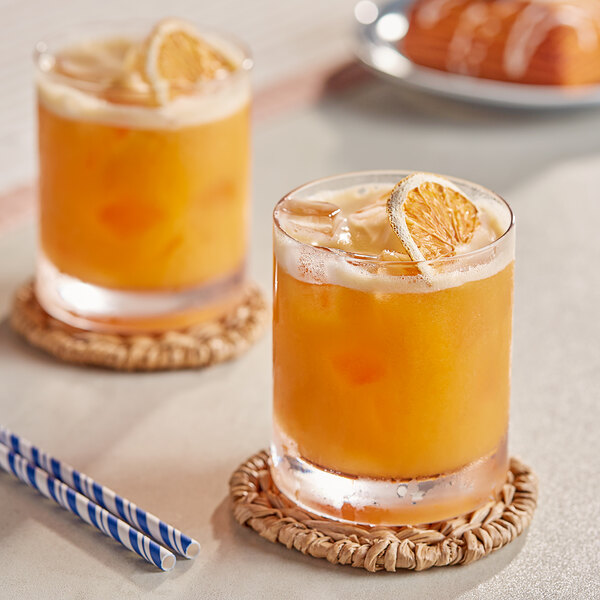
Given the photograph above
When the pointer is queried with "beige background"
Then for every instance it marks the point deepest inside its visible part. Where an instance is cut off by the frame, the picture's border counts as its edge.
(169, 441)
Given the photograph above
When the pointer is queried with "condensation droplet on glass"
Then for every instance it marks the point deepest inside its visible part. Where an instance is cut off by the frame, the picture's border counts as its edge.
(417, 496)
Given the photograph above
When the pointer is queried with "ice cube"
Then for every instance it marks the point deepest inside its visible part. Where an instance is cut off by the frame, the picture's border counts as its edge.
(306, 216)
(370, 230)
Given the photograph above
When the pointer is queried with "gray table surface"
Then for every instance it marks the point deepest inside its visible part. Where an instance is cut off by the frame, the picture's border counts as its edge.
(169, 441)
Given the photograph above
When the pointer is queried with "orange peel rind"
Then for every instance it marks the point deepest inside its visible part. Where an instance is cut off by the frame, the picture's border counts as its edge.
(175, 56)
(432, 217)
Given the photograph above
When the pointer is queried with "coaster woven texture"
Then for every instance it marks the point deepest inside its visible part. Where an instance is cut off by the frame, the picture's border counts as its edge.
(197, 346)
(258, 504)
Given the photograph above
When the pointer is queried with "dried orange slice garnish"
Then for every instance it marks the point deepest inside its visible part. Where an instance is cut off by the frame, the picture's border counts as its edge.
(431, 216)
(175, 57)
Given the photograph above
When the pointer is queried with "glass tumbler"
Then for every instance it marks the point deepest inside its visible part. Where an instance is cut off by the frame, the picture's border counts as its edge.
(391, 397)
(143, 208)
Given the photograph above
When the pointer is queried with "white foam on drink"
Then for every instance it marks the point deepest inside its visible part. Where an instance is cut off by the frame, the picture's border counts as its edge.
(214, 101)
(311, 260)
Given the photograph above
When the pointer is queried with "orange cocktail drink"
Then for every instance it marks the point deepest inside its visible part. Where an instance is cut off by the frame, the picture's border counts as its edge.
(144, 168)
(391, 377)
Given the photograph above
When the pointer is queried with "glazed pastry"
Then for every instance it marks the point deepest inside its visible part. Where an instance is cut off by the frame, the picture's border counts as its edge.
(546, 42)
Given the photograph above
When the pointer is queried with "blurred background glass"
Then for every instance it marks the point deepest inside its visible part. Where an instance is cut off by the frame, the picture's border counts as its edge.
(286, 39)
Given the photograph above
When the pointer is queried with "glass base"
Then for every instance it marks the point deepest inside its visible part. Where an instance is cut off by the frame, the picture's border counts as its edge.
(97, 308)
(387, 501)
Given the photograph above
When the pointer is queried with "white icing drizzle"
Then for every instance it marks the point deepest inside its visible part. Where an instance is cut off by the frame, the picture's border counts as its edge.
(534, 21)
(532, 27)
(464, 56)
(430, 13)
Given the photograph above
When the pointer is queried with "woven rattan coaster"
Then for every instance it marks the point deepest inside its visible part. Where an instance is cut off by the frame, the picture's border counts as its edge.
(197, 346)
(258, 504)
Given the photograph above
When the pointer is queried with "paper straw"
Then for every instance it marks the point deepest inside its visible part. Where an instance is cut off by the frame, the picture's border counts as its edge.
(146, 522)
(85, 509)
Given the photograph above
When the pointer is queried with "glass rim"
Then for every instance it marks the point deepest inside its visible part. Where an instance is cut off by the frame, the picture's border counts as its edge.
(42, 50)
(375, 260)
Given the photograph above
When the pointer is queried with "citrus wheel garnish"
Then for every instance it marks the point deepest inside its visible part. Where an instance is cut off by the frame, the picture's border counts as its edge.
(175, 57)
(431, 216)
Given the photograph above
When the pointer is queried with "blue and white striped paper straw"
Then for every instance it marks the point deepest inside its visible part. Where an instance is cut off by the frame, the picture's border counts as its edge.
(85, 509)
(146, 522)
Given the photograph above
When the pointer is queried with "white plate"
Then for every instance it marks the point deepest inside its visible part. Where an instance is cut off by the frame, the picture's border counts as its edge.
(381, 28)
